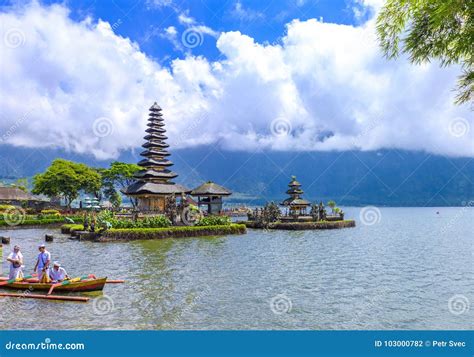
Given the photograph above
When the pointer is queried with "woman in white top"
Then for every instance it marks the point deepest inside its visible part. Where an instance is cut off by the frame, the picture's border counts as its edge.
(16, 263)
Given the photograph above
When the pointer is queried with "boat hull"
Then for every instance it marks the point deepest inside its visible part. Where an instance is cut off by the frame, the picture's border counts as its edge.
(80, 286)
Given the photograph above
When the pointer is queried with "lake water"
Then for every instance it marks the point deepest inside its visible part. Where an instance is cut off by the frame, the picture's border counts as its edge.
(410, 269)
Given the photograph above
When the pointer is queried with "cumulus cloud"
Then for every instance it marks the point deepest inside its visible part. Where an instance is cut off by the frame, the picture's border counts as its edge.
(79, 86)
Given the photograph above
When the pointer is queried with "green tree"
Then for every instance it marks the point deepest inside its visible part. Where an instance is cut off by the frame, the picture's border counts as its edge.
(116, 199)
(431, 29)
(271, 212)
(66, 178)
(332, 204)
(22, 184)
(121, 175)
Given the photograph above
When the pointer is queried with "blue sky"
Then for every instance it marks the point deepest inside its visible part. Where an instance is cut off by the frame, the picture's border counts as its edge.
(288, 75)
(143, 21)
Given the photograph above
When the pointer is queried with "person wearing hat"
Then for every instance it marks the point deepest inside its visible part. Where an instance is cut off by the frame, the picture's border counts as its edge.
(16, 263)
(42, 264)
(58, 273)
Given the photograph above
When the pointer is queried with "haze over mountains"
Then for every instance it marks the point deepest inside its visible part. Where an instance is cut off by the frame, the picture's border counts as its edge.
(384, 177)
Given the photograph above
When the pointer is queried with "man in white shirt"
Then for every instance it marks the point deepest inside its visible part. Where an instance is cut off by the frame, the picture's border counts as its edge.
(42, 263)
(16, 263)
(58, 273)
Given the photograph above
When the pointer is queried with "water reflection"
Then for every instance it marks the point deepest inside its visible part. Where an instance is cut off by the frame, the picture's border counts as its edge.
(397, 274)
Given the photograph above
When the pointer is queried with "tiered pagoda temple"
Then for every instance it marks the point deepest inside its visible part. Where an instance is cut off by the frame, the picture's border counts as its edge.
(296, 205)
(154, 183)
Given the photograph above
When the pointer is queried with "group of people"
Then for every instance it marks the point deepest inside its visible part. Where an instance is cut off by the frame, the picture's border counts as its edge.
(45, 271)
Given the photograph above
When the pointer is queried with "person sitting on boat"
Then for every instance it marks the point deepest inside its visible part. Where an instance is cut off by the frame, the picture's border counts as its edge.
(42, 264)
(58, 273)
(16, 263)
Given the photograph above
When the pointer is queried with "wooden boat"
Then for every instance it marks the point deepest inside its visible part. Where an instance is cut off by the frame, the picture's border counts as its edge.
(79, 286)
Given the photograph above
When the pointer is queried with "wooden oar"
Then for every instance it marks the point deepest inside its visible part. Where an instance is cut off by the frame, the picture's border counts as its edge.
(11, 281)
(67, 282)
(48, 297)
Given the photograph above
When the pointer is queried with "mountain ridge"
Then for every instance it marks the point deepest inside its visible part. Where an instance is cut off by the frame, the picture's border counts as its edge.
(382, 177)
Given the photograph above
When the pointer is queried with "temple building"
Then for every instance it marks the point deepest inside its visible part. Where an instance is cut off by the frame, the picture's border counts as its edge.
(154, 183)
(11, 195)
(296, 205)
(210, 196)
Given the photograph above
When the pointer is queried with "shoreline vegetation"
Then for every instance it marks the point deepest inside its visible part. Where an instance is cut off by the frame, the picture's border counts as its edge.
(297, 226)
(167, 210)
(127, 234)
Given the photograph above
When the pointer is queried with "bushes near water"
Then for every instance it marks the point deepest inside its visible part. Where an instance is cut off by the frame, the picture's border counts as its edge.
(158, 221)
(18, 220)
(30, 222)
(295, 226)
(172, 232)
(214, 221)
(4, 208)
(70, 227)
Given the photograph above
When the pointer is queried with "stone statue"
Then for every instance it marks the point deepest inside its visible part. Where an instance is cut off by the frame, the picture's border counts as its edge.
(322, 212)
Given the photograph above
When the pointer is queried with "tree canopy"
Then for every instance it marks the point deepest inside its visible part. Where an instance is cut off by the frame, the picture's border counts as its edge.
(431, 29)
(66, 178)
(120, 175)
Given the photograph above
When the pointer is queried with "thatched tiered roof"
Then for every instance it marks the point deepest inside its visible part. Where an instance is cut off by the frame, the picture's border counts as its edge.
(295, 192)
(155, 176)
(210, 189)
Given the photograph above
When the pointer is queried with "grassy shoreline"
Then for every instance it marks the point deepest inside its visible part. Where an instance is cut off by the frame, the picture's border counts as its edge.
(128, 234)
(300, 226)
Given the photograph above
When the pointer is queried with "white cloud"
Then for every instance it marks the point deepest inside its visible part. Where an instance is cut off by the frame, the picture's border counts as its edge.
(245, 14)
(327, 82)
(185, 19)
(171, 34)
(159, 3)
(171, 31)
